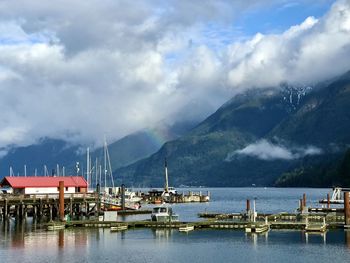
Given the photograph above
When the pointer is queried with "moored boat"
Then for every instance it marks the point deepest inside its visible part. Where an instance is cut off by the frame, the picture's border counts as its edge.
(186, 228)
(56, 227)
(119, 228)
(164, 214)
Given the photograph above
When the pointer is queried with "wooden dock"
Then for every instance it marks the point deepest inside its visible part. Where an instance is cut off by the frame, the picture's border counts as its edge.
(39, 206)
(255, 227)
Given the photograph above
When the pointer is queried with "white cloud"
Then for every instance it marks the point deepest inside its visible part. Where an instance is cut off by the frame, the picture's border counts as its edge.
(77, 70)
(265, 150)
(313, 51)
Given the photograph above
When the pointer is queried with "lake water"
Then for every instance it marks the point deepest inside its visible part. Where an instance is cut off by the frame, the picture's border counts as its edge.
(27, 243)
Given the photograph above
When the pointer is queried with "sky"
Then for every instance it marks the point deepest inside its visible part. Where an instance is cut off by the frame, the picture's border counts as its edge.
(81, 70)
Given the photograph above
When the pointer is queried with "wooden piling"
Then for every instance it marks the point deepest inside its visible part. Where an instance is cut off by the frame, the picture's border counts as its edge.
(347, 209)
(248, 205)
(50, 216)
(71, 207)
(5, 209)
(304, 200)
(61, 199)
(21, 214)
(25, 214)
(301, 205)
(328, 201)
(40, 214)
(17, 211)
(123, 197)
(35, 211)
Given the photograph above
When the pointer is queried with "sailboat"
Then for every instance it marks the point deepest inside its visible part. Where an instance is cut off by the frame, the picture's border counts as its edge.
(110, 194)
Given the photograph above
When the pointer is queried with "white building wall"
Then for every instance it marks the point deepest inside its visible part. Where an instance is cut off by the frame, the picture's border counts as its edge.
(47, 190)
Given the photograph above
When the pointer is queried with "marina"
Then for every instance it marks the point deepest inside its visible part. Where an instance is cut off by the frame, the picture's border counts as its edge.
(224, 236)
(84, 210)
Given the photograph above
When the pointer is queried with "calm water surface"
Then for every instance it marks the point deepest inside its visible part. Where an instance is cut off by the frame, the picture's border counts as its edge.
(27, 243)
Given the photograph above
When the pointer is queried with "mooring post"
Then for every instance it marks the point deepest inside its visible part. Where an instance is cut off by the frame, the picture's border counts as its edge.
(328, 201)
(346, 209)
(86, 209)
(304, 200)
(61, 199)
(17, 211)
(21, 215)
(123, 197)
(40, 214)
(98, 190)
(35, 208)
(5, 209)
(50, 211)
(25, 212)
(71, 207)
(301, 205)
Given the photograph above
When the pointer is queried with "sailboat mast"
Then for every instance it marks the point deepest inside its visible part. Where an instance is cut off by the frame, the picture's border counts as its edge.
(109, 166)
(166, 188)
(100, 179)
(87, 165)
(96, 172)
(105, 161)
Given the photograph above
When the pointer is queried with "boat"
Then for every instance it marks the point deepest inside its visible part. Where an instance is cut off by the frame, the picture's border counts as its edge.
(186, 228)
(316, 228)
(56, 227)
(119, 228)
(336, 197)
(130, 196)
(168, 190)
(257, 228)
(163, 214)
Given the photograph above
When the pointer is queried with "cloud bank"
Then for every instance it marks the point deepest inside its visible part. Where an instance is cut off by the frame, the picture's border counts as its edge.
(267, 151)
(79, 70)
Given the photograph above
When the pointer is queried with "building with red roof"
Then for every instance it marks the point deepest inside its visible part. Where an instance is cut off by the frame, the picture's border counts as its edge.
(44, 184)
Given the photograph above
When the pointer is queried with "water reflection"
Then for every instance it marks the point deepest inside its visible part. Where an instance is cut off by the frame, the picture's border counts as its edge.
(347, 238)
(308, 235)
(257, 237)
(162, 234)
(61, 238)
(27, 234)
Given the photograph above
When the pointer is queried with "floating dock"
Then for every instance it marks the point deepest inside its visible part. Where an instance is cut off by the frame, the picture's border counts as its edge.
(306, 219)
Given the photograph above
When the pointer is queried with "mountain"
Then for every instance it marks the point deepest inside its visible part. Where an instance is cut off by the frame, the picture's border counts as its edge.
(141, 144)
(49, 152)
(296, 123)
(332, 170)
(124, 151)
(323, 118)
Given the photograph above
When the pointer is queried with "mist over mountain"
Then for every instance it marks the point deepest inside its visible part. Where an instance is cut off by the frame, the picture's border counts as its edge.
(52, 152)
(254, 138)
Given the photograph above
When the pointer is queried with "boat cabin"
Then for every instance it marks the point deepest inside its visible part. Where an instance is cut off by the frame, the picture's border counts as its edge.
(164, 214)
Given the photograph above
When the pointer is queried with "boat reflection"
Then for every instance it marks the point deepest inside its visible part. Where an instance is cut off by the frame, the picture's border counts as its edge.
(162, 234)
(257, 237)
(309, 235)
